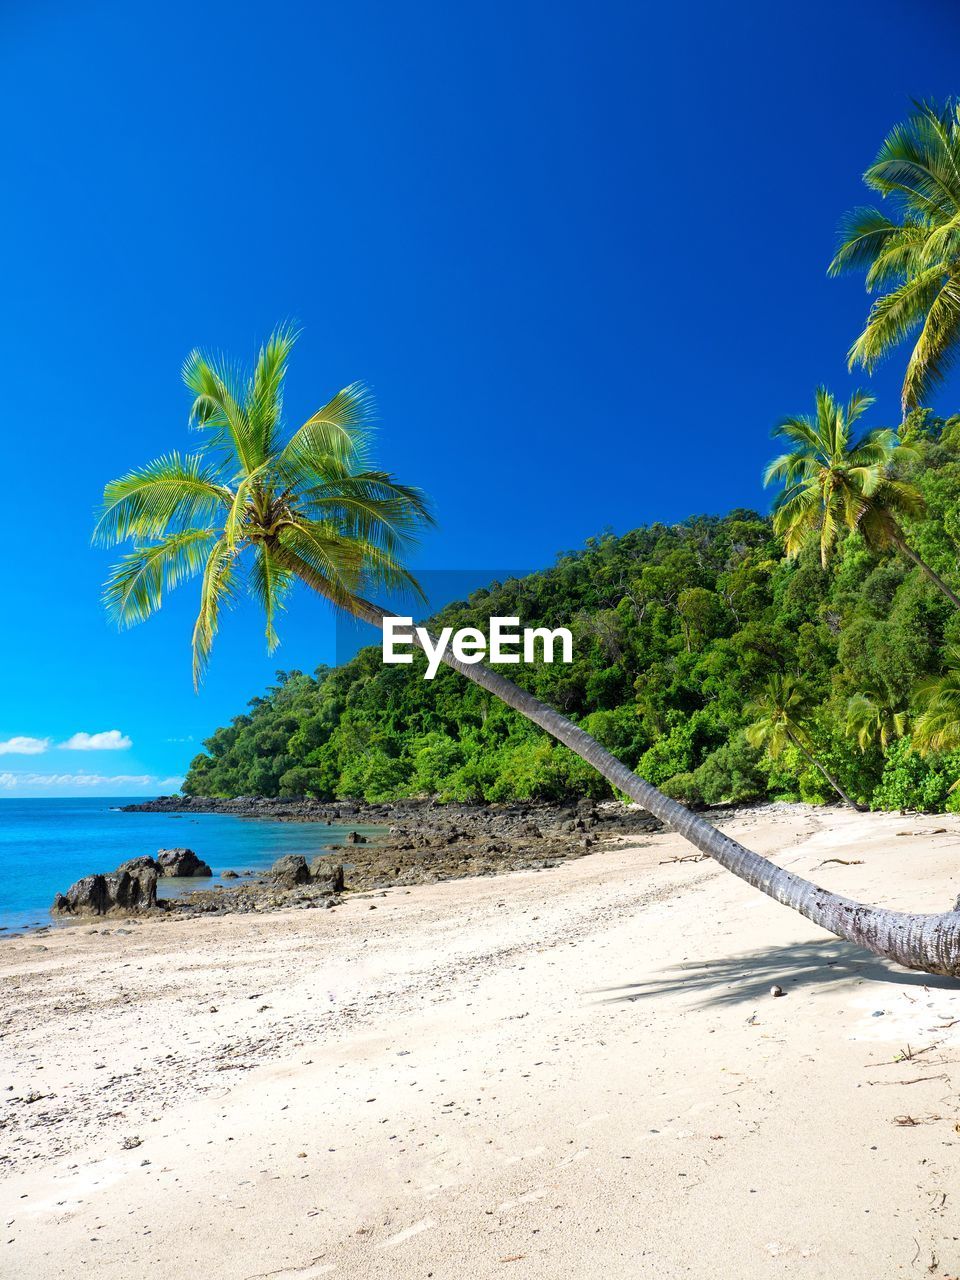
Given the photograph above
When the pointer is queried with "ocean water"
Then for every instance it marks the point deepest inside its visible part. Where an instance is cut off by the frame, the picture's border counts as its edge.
(45, 845)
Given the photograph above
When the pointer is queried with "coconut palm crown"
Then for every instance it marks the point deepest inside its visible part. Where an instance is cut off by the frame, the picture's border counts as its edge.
(833, 480)
(912, 258)
(258, 504)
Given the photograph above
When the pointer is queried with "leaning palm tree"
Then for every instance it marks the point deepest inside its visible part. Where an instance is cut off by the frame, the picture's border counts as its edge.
(937, 727)
(912, 257)
(871, 720)
(777, 716)
(307, 506)
(834, 480)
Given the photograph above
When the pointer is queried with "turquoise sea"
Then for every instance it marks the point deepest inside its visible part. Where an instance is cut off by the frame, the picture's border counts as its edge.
(47, 844)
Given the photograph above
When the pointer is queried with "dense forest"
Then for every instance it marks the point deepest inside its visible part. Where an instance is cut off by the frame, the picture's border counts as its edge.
(680, 633)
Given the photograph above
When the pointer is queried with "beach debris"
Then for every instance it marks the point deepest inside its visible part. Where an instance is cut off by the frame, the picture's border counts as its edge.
(129, 1144)
(843, 862)
(776, 990)
(915, 1080)
(181, 862)
(685, 857)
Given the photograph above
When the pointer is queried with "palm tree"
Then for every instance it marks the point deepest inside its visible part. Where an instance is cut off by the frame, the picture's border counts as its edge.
(307, 506)
(937, 727)
(834, 480)
(913, 257)
(777, 716)
(870, 720)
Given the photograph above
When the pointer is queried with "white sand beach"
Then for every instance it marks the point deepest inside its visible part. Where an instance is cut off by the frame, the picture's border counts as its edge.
(573, 1073)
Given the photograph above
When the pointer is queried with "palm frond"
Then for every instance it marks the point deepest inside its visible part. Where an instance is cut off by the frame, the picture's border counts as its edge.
(373, 505)
(894, 316)
(336, 436)
(176, 490)
(136, 585)
(269, 584)
(265, 398)
(937, 346)
(865, 236)
(218, 409)
(220, 586)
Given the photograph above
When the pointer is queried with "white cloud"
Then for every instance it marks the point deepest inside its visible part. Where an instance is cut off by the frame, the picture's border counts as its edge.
(109, 740)
(24, 746)
(149, 781)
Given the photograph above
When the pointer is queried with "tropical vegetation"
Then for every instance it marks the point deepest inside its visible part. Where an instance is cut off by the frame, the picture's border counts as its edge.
(677, 630)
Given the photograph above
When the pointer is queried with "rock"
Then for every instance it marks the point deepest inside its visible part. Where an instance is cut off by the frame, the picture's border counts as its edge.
(290, 870)
(181, 862)
(354, 837)
(143, 863)
(230, 875)
(327, 874)
(776, 991)
(121, 892)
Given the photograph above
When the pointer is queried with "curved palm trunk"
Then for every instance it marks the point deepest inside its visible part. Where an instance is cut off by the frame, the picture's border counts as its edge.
(906, 550)
(929, 942)
(859, 808)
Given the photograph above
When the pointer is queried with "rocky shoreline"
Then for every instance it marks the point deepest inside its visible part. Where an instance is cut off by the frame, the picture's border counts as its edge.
(420, 842)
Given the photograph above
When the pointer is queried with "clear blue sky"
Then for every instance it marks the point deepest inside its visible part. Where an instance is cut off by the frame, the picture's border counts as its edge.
(578, 249)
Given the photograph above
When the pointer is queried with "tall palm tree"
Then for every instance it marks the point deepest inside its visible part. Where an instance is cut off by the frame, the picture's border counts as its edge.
(913, 257)
(871, 720)
(777, 716)
(307, 506)
(834, 480)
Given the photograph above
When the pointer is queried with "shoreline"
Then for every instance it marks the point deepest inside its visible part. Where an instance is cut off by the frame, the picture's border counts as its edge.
(583, 1069)
(397, 844)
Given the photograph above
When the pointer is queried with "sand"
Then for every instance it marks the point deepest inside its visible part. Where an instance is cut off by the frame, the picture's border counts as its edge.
(573, 1073)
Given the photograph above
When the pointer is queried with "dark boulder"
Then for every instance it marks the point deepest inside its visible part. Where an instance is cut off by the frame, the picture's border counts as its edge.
(121, 892)
(290, 871)
(181, 862)
(354, 837)
(327, 874)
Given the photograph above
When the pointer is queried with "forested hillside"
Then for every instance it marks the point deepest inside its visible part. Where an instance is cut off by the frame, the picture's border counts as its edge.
(677, 633)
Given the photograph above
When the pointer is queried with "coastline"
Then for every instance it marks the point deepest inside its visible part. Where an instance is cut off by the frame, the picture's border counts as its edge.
(392, 844)
(582, 1071)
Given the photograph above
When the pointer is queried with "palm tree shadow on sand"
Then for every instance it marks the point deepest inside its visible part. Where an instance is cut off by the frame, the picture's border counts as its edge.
(749, 976)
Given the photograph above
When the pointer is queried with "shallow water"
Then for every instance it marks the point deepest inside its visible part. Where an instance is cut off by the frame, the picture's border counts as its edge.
(45, 845)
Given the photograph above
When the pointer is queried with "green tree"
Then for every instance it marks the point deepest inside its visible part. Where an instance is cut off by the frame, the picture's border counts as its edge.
(912, 259)
(777, 716)
(871, 721)
(834, 480)
(937, 727)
